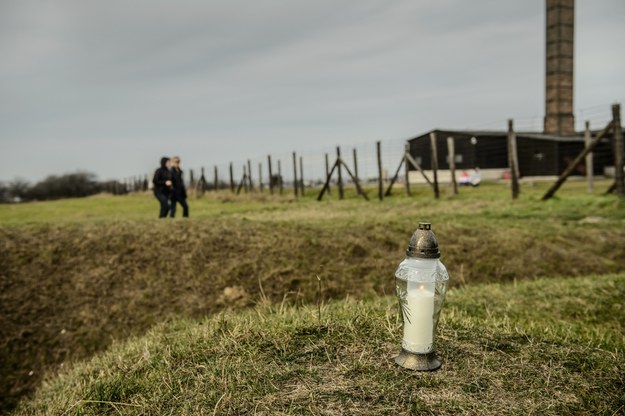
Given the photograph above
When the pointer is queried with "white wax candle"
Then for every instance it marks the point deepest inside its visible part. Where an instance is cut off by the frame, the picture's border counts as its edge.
(418, 326)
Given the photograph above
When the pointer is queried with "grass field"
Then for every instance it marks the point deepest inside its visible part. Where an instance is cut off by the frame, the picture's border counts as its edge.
(79, 275)
(548, 347)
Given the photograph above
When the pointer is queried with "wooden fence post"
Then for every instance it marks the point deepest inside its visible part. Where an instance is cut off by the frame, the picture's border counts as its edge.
(260, 176)
(301, 176)
(380, 179)
(326, 185)
(243, 182)
(356, 167)
(270, 174)
(340, 178)
(202, 182)
(396, 175)
(618, 150)
(359, 190)
(249, 175)
(231, 179)
(280, 182)
(569, 169)
(589, 158)
(406, 169)
(413, 162)
(452, 164)
(515, 158)
(512, 161)
(216, 182)
(295, 185)
(246, 179)
(327, 172)
(434, 163)
(191, 179)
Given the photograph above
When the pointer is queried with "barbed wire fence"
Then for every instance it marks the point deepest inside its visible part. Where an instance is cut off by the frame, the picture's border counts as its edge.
(305, 172)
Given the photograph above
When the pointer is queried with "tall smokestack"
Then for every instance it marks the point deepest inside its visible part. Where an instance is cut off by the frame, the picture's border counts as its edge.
(559, 117)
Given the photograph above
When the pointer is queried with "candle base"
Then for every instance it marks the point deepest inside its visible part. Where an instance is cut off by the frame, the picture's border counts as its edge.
(418, 362)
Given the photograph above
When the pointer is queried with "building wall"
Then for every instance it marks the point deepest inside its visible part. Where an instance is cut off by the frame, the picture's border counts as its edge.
(444, 176)
(537, 157)
(484, 152)
(487, 152)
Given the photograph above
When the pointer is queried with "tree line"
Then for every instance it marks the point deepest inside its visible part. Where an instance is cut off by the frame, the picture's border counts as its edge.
(70, 185)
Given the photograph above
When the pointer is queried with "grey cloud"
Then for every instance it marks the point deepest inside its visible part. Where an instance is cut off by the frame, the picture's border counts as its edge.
(233, 79)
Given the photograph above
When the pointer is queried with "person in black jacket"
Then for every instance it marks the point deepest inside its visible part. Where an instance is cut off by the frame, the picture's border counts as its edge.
(179, 192)
(163, 186)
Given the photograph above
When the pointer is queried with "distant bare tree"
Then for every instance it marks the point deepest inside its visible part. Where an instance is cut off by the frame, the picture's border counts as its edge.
(71, 185)
(5, 195)
(18, 189)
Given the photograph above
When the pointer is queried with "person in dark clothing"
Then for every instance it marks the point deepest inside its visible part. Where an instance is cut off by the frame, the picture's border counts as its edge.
(179, 192)
(163, 186)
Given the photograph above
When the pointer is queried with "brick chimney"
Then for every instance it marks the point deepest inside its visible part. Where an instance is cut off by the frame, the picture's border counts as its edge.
(559, 117)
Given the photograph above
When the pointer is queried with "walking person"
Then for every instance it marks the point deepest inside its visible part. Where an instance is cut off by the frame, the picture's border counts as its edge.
(163, 186)
(179, 192)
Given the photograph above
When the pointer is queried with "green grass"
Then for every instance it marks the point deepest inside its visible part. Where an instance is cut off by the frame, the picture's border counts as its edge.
(549, 347)
(490, 202)
(78, 275)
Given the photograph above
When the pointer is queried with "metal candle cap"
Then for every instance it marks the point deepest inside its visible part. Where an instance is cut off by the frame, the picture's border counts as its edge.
(423, 243)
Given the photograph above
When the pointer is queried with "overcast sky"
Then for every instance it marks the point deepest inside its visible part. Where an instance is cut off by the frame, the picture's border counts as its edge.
(109, 86)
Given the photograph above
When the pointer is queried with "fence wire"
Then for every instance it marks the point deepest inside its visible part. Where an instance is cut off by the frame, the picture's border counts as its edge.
(360, 158)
